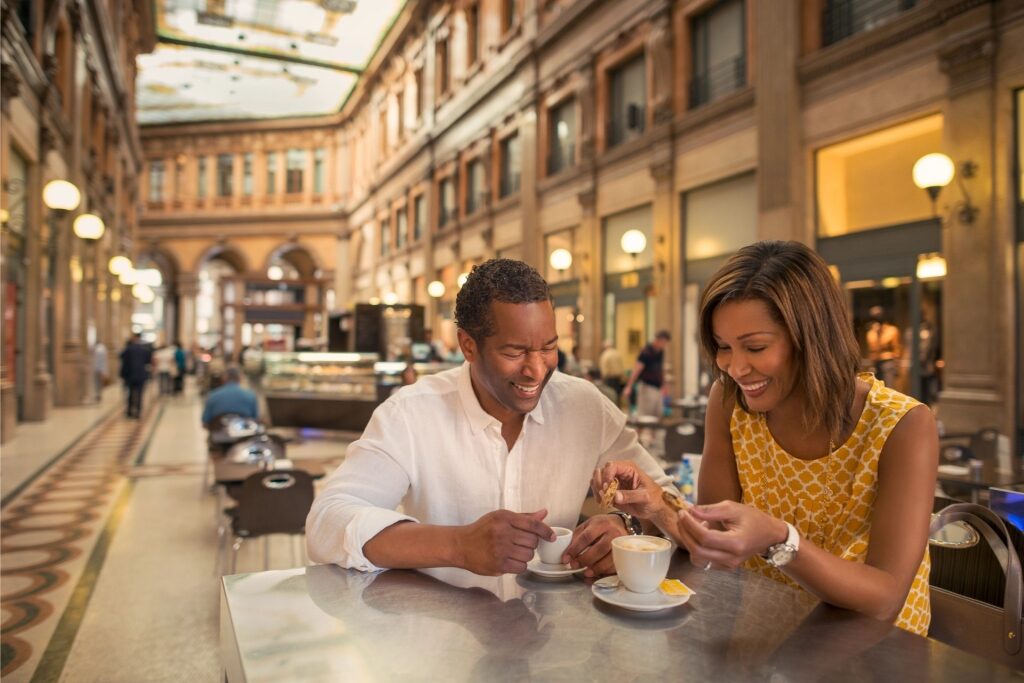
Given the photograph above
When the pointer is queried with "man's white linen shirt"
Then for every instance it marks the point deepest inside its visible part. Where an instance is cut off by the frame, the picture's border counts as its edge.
(433, 450)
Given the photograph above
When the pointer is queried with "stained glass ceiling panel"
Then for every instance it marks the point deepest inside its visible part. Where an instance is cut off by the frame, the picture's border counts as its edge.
(246, 59)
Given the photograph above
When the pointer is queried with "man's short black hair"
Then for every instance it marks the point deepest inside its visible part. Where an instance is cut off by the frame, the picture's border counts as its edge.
(663, 334)
(503, 280)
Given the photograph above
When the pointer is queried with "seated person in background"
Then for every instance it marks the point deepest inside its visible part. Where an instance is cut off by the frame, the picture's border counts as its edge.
(812, 474)
(484, 457)
(231, 398)
(594, 375)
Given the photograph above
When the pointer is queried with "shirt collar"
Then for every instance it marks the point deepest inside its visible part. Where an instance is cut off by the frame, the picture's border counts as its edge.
(480, 419)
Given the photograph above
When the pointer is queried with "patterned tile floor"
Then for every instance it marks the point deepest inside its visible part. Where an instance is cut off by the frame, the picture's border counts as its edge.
(107, 556)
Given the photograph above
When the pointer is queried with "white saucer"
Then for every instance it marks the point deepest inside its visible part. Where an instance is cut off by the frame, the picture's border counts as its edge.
(638, 602)
(550, 570)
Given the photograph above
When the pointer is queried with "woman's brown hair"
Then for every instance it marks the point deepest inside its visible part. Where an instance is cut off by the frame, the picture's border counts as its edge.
(804, 298)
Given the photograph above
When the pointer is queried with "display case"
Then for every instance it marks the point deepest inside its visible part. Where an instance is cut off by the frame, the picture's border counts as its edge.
(330, 390)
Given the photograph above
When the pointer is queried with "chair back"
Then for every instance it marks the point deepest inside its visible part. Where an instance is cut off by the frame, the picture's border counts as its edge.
(274, 502)
(989, 625)
(686, 437)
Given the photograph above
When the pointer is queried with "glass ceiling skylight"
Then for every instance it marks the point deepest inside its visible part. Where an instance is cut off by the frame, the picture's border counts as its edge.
(242, 59)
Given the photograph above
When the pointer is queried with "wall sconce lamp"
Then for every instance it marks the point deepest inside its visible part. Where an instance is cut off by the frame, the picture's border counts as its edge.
(89, 226)
(119, 264)
(61, 196)
(560, 259)
(436, 289)
(633, 243)
(932, 172)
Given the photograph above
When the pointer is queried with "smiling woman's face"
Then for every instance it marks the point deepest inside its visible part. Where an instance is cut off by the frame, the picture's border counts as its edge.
(755, 351)
(511, 367)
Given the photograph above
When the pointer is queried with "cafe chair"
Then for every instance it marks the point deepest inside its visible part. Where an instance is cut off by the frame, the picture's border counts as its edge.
(271, 502)
(686, 437)
(976, 589)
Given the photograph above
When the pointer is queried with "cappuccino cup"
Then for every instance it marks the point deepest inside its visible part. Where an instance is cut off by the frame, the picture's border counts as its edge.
(551, 551)
(641, 561)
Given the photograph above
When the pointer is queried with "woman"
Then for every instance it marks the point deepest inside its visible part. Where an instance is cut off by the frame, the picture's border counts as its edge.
(812, 474)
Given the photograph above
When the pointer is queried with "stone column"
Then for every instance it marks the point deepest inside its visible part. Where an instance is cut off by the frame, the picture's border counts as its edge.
(587, 262)
(978, 379)
(780, 186)
(39, 389)
(528, 210)
(66, 308)
(666, 260)
(188, 289)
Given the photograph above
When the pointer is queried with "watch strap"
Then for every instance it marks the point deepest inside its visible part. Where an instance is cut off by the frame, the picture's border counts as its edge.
(631, 523)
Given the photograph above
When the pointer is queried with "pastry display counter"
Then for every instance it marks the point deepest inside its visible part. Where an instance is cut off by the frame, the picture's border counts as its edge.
(330, 390)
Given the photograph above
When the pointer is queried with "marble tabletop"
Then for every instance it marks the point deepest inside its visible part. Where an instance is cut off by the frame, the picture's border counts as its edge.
(324, 623)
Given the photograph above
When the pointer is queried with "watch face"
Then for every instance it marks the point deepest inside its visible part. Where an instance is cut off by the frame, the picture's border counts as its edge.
(781, 555)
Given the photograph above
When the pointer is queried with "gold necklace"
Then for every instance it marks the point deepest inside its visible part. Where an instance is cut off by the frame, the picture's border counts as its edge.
(818, 534)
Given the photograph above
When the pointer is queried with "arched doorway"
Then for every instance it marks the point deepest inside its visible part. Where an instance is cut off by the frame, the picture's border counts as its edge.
(217, 293)
(284, 304)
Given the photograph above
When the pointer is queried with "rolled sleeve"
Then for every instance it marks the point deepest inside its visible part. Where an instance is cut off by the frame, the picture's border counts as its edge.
(361, 497)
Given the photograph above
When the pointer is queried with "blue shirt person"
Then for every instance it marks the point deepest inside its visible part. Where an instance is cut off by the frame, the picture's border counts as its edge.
(230, 398)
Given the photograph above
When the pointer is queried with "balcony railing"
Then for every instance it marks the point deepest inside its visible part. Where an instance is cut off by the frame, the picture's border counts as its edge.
(843, 18)
(720, 79)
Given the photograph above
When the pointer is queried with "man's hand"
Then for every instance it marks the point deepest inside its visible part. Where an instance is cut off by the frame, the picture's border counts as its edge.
(591, 545)
(501, 542)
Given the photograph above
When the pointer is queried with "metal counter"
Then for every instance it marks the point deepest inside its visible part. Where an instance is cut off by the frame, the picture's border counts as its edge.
(324, 623)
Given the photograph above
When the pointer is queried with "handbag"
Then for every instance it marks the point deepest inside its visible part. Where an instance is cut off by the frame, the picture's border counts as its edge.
(978, 627)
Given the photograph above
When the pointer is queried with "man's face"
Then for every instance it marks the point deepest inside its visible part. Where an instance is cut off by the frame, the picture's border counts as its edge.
(511, 367)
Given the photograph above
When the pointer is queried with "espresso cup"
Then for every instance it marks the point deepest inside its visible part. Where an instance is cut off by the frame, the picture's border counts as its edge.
(551, 551)
(641, 561)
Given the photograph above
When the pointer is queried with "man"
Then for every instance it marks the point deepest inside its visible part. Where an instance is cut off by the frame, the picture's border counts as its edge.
(649, 376)
(884, 346)
(484, 457)
(135, 360)
(611, 366)
(231, 398)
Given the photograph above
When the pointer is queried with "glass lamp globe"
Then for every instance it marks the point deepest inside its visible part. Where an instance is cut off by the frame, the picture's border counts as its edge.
(436, 289)
(128, 277)
(89, 226)
(633, 242)
(275, 272)
(118, 264)
(933, 171)
(462, 279)
(61, 195)
(560, 259)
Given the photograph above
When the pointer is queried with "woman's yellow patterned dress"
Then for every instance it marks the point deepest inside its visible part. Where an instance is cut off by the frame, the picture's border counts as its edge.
(829, 500)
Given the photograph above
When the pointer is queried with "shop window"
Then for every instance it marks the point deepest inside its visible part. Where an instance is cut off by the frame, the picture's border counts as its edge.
(562, 137)
(201, 178)
(866, 182)
(509, 15)
(721, 217)
(272, 173)
(843, 18)
(419, 217)
(446, 201)
(225, 175)
(626, 101)
(401, 227)
(296, 165)
(318, 171)
(472, 34)
(475, 186)
(556, 272)
(442, 67)
(156, 181)
(247, 174)
(719, 53)
(510, 164)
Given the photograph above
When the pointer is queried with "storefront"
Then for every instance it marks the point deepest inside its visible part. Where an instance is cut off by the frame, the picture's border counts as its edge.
(718, 219)
(883, 236)
(628, 279)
